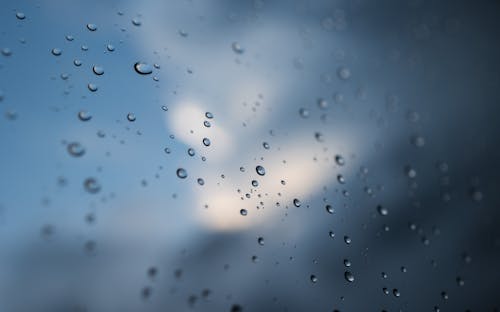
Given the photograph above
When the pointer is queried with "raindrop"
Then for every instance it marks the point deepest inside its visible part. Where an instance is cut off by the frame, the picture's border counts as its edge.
(6, 52)
(56, 51)
(77, 62)
(143, 68)
(182, 173)
(396, 293)
(91, 185)
(255, 183)
(344, 73)
(206, 123)
(319, 137)
(110, 47)
(382, 210)
(304, 112)
(92, 87)
(243, 212)
(260, 170)
(206, 141)
(331, 234)
(20, 15)
(266, 145)
(130, 117)
(92, 27)
(167, 150)
(98, 70)
(75, 149)
(209, 115)
(201, 181)
(349, 276)
(313, 278)
(322, 103)
(347, 263)
(296, 202)
(339, 160)
(347, 240)
(410, 172)
(329, 209)
(84, 116)
(260, 240)
(191, 152)
(341, 179)
(136, 22)
(237, 48)
(460, 281)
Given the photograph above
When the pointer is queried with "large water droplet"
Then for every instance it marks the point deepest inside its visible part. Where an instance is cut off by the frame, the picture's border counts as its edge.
(75, 149)
(349, 276)
(92, 87)
(84, 116)
(260, 170)
(182, 173)
(91, 185)
(143, 68)
(98, 70)
(56, 51)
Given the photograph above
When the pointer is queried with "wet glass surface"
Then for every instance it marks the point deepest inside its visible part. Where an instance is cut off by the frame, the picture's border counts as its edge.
(249, 155)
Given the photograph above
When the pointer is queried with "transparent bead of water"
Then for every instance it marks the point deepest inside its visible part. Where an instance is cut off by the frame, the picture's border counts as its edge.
(98, 70)
(131, 117)
(91, 185)
(20, 15)
(206, 141)
(329, 209)
(143, 68)
(260, 170)
(56, 51)
(349, 276)
(75, 149)
(191, 152)
(296, 202)
(181, 173)
(84, 116)
(92, 27)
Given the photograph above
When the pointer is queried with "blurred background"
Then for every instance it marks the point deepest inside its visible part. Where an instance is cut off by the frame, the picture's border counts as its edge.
(257, 155)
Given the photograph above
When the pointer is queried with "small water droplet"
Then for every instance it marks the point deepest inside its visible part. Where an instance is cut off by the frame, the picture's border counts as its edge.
(6, 51)
(92, 87)
(331, 234)
(382, 210)
(77, 62)
(209, 115)
(191, 151)
(260, 240)
(98, 70)
(347, 240)
(341, 179)
(56, 51)
(243, 212)
(339, 160)
(349, 276)
(136, 21)
(92, 27)
(84, 116)
(260, 170)
(329, 209)
(255, 183)
(201, 181)
(143, 68)
(396, 293)
(206, 141)
(344, 73)
(322, 103)
(347, 263)
(304, 112)
(182, 173)
(265, 145)
(20, 15)
(206, 123)
(75, 149)
(130, 117)
(296, 202)
(313, 278)
(237, 48)
(91, 185)
(110, 47)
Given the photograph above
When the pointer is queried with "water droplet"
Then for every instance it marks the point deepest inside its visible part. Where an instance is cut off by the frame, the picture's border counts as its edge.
(304, 112)
(385, 290)
(347, 263)
(130, 117)
(20, 15)
(329, 209)
(6, 52)
(260, 240)
(182, 173)
(201, 181)
(344, 73)
(319, 137)
(382, 210)
(313, 278)
(209, 115)
(339, 160)
(56, 51)
(110, 47)
(322, 103)
(243, 212)
(84, 116)
(266, 145)
(255, 183)
(347, 240)
(206, 141)
(296, 202)
(69, 37)
(75, 149)
(410, 172)
(418, 141)
(92, 87)
(136, 22)
(143, 68)
(92, 27)
(260, 170)
(77, 62)
(191, 152)
(331, 234)
(349, 276)
(167, 150)
(206, 123)
(460, 281)
(98, 70)
(237, 48)
(91, 185)
(341, 179)
(396, 293)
